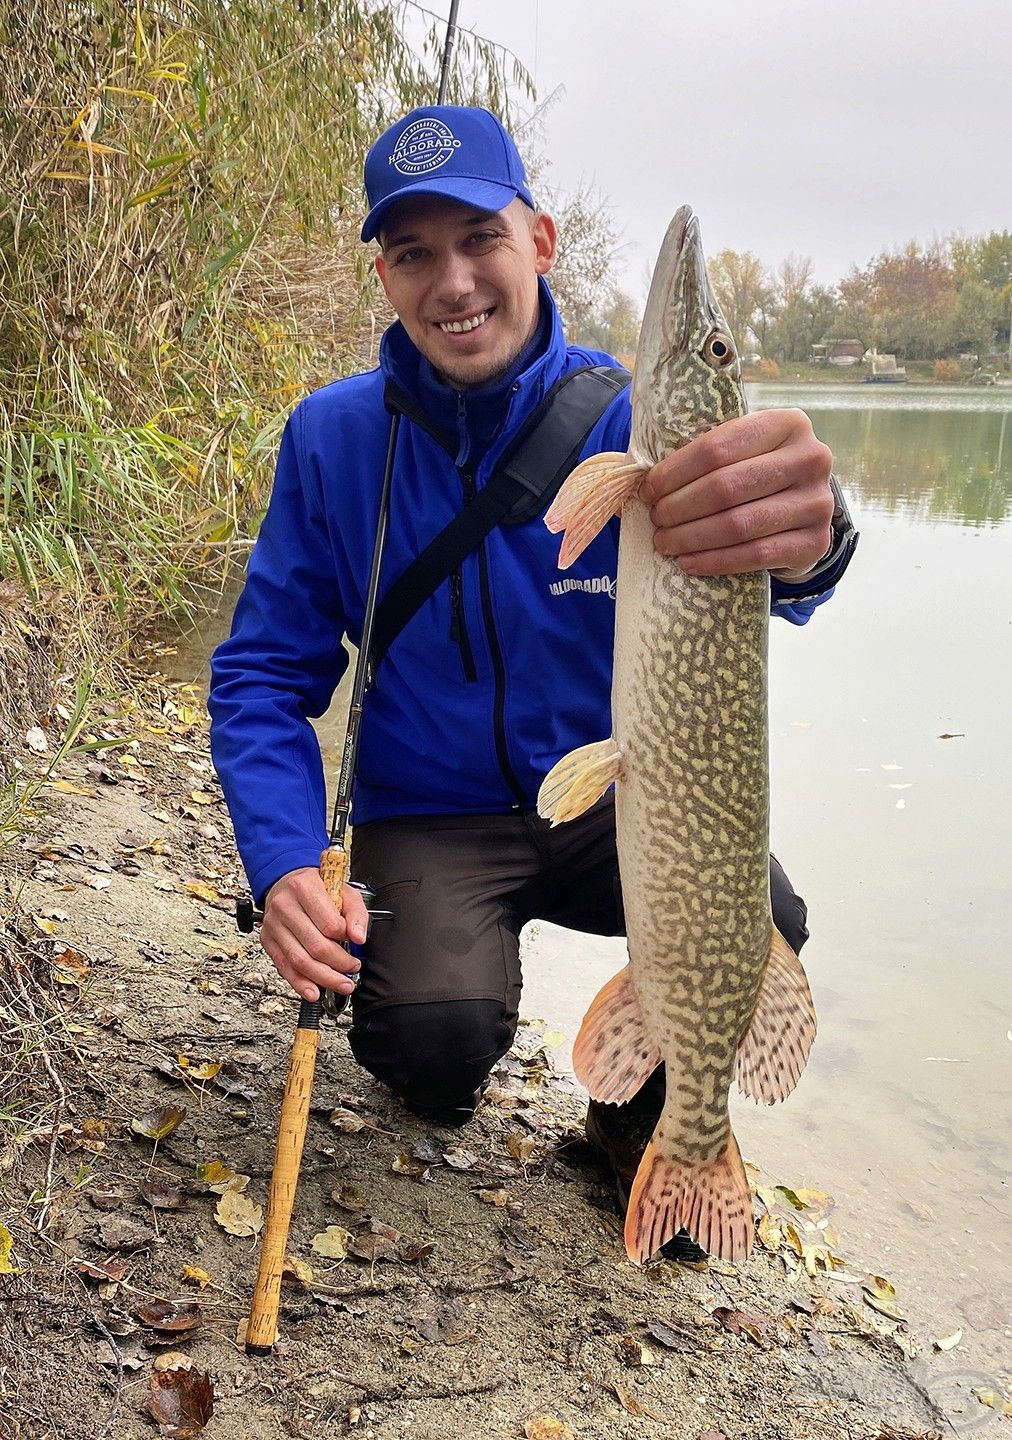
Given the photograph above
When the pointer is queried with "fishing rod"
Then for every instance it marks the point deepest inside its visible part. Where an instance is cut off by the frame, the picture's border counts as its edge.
(261, 1329)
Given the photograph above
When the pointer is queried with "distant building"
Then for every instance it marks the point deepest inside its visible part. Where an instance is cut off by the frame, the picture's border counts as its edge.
(838, 352)
(884, 369)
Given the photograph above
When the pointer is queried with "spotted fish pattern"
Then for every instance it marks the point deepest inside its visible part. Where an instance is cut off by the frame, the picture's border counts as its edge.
(711, 987)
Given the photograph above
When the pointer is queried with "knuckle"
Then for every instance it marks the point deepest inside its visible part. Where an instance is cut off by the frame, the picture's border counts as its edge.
(713, 450)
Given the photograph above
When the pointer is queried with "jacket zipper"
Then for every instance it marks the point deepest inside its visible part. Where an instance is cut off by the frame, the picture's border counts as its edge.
(498, 666)
(458, 626)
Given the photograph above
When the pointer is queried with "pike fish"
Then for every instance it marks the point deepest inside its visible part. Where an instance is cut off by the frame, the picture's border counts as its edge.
(711, 988)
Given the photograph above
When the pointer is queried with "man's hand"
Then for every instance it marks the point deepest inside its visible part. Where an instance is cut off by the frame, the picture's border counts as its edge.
(303, 932)
(751, 494)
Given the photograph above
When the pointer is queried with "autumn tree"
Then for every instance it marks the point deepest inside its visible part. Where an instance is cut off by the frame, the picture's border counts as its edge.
(743, 289)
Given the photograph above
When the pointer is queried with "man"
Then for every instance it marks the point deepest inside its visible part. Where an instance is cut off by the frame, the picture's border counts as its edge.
(501, 671)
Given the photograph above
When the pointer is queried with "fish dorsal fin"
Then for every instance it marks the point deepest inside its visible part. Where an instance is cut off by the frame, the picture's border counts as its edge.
(613, 1055)
(774, 1048)
(578, 779)
(591, 494)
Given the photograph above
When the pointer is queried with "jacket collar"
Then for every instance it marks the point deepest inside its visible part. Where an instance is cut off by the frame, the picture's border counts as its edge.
(414, 390)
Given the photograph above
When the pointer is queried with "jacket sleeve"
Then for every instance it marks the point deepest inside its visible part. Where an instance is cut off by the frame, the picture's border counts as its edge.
(279, 666)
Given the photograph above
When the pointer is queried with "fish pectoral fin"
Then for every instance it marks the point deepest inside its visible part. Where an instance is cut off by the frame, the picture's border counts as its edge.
(709, 1199)
(774, 1049)
(613, 1055)
(590, 495)
(578, 779)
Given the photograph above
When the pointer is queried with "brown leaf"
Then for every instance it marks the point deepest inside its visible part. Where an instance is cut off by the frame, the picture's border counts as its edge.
(671, 1337)
(161, 1197)
(346, 1121)
(193, 1275)
(745, 1322)
(297, 1269)
(414, 1169)
(112, 1270)
(181, 1401)
(521, 1146)
(499, 1198)
(157, 1124)
(460, 1159)
(374, 1247)
(168, 1315)
(547, 1427)
(219, 1177)
(630, 1403)
(348, 1197)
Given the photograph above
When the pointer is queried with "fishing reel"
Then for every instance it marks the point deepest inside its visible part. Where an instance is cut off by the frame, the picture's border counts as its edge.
(248, 917)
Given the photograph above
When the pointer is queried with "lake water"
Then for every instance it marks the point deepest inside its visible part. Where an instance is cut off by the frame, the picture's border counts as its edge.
(901, 842)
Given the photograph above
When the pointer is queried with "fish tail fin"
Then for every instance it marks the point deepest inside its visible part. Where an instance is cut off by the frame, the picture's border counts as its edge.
(613, 1055)
(710, 1199)
(774, 1049)
(591, 494)
(578, 779)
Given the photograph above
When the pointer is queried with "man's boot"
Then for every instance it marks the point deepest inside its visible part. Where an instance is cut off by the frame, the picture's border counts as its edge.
(620, 1133)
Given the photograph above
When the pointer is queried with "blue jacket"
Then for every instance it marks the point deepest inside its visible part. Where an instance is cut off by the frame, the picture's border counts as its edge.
(485, 688)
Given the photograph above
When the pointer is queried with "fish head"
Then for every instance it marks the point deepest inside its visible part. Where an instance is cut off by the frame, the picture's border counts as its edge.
(687, 376)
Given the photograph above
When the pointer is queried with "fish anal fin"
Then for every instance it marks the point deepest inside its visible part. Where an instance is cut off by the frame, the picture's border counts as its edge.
(709, 1199)
(590, 495)
(774, 1049)
(613, 1056)
(578, 779)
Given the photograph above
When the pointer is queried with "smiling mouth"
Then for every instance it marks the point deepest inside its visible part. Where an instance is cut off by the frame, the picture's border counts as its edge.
(464, 327)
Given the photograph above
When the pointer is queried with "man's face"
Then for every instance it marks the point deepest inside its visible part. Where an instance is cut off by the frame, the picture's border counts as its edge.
(464, 283)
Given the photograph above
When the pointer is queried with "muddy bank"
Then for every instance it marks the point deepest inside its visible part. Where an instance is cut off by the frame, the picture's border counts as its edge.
(476, 1280)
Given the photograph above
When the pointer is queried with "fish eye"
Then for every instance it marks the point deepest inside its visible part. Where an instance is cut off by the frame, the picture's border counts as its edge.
(719, 349)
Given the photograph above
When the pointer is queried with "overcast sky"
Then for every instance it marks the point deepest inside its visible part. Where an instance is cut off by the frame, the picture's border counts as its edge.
(830, 129)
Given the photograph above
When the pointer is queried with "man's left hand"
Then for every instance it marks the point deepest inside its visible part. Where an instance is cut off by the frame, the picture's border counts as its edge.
(751, 494)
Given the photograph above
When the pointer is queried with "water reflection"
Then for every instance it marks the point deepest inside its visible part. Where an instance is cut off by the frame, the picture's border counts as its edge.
(928, 464)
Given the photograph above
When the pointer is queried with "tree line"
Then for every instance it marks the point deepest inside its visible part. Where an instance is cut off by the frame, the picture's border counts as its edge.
(920, 302)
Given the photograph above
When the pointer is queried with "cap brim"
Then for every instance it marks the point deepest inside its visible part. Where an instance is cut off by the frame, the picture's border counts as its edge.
(486, 195)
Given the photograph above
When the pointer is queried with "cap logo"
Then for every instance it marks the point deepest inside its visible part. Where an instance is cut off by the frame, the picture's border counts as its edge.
(422, 147)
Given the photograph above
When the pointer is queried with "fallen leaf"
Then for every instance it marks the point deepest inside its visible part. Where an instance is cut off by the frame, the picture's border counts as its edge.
(671, 1337)
(193, 1275)
(953, 735)
(131, 1356)
(348, 1197)
(295, 1268)
(120, 1232)
(630, 1403)
(181, 1402)
(157, 1124)
(219, 1177)
(745, 1322)
(373, 1248)
(817, 1202)
(237, 1214)
(173, 1360)
(201, 797)
(414, 1169)
(346, 1122)
(332, 1242)
(205, 1071)
(499, 1198)
(35, 739)
(201, 891)
(7, 1266)
(114, 1270)
(634, 1353)
(520, 1146)
(994, 1400)
(45, 927)
(949, 1342)
(427, 1150)
(69, 788)
(459, 1159)
(167, 1315)
(547, 1427)
(161, 1197)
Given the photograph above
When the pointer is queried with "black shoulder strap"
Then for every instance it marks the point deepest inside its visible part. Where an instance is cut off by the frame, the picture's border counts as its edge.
(529, 474)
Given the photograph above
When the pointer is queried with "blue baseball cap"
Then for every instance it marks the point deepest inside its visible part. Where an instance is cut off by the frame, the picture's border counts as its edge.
(450, 150)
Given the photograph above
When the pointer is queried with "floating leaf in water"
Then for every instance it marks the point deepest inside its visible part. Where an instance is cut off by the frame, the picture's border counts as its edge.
(157, 1124)
(332, 1242)
(237, 1214)
(181, 1402)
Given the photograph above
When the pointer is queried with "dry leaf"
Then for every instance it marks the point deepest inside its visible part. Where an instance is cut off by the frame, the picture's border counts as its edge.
(459, 1159)
(547, 1427)
(949, 1342)
(414, 1169)
(346, 1121)
(7, 1266)
(114, 1270)
(156, 1124)
(671, 1337)
(206, 1071)
(994, 1400)
(348, 1197)
(332, 1242)
(499, 1198)
(173, 1360)
(202, 891)
(295, 1268)
(181, 1401)
(193, 1275)
(35, 739)
(69, 788)
(521, 1146)
(744, 1322)
(161, 1197)
(630, 1403)
(219, 1177)
(201, 797)
(169, 1316)
(237, 1214)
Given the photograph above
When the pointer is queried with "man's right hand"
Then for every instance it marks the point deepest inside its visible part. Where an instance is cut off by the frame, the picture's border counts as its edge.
(304, 933)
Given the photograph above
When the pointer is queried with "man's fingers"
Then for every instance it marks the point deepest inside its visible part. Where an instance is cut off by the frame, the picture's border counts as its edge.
(743, 438)
(771, 516)
(791, 550)
(307, 976)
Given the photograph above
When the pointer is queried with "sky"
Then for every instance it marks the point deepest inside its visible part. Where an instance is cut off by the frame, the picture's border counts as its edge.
(832, 130)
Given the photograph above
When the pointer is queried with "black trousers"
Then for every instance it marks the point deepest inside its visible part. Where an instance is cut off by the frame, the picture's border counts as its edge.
(438, 999)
